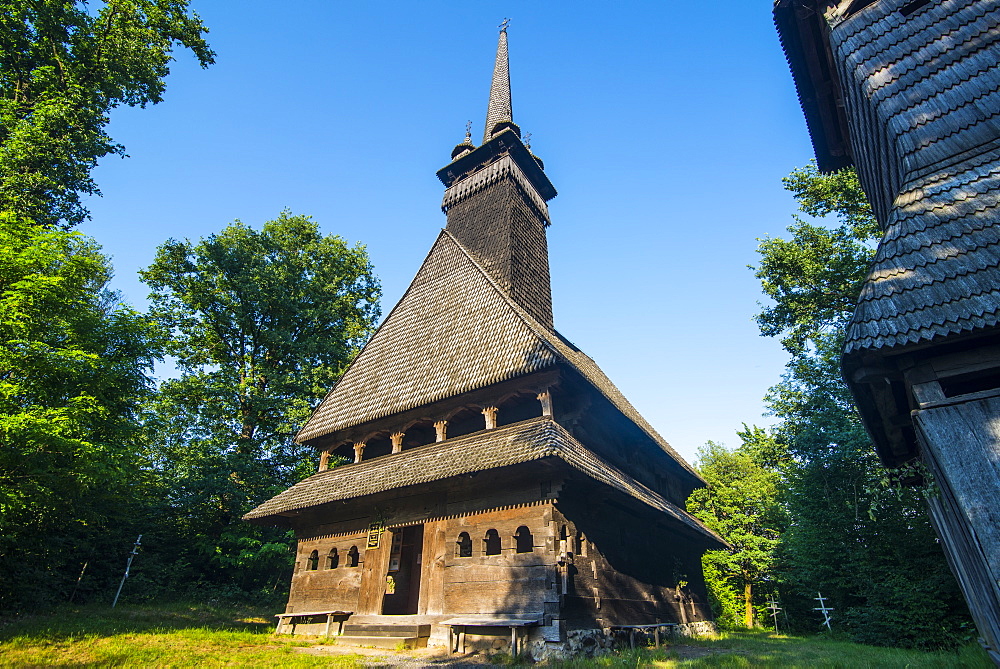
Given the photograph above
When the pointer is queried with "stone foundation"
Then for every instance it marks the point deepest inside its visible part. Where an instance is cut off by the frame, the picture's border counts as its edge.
(593, 642)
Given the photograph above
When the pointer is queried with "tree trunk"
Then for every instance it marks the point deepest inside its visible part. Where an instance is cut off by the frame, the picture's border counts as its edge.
(748, 603)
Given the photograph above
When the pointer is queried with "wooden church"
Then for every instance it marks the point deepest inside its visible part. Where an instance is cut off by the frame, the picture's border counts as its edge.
(491, 486)
(908, 91)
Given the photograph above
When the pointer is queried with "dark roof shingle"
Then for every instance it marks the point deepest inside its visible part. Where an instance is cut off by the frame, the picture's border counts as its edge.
(454, 330)
(526, 441)
(937, 270)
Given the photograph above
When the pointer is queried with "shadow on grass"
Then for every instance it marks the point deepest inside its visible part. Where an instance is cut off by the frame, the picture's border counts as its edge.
(749, 649)
(69, 622)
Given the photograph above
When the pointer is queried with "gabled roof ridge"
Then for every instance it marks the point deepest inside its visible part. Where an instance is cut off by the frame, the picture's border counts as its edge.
(490, 287)
(372, 338)
(522, 313)
(555, 341)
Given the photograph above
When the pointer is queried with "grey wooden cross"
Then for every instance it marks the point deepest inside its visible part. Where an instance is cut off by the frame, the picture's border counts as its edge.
(825, 610)
(772, 605)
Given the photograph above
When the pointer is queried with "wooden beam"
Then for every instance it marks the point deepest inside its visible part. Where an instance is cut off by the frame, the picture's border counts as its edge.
(545, 397)
(533, 383)
(926, 393)
(490, 414)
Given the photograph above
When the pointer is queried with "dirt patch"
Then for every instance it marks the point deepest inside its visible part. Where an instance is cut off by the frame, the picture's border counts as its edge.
(410, 659)
(429, 658)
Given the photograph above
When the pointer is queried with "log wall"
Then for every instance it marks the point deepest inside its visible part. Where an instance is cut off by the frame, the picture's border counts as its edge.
(596, 558)
(626, 568)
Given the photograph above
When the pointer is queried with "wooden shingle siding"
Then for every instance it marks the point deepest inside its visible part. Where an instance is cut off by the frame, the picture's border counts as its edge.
(504, 168)
(937, 271)
(919, 88)
(924, 94)
(501, 229)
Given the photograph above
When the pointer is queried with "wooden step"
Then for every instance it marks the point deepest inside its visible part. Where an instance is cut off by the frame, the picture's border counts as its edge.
(389, 642)
(375, 629)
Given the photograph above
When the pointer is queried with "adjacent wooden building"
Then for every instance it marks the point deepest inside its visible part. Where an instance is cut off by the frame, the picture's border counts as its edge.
(908, 91)
(493, 477)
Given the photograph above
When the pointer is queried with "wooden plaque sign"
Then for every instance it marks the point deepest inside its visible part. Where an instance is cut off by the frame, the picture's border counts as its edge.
(374, 534)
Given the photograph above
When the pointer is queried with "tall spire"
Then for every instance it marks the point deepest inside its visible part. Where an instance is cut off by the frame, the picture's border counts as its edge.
(499, 109)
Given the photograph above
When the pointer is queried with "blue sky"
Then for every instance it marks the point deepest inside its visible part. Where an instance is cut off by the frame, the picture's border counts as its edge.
(665, 126)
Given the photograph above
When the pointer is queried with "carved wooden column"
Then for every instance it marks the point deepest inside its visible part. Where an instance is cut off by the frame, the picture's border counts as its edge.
(441, 428)
(490, 413)
(324, 460)
(397, 441)
(359, 450)
(545, 397)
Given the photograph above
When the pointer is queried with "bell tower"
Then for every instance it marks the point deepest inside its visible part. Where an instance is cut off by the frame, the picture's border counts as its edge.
(496, 201)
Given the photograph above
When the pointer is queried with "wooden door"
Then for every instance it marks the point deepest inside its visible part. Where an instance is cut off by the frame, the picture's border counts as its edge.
(402, 579)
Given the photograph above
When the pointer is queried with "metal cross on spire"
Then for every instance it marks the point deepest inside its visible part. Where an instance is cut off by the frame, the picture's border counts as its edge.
(503, 25)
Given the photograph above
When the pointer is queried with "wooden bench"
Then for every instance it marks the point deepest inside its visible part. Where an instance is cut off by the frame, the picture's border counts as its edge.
(457, 628)
(632, 629)
(289, 619)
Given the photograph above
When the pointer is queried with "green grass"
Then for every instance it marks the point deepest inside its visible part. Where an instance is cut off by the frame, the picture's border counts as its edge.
(204, 636)
(739, 650)
(162, 636)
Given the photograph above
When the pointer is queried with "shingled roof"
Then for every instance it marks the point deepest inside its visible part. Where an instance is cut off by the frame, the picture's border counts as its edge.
(929, 158)
(937, 270)
(925, 90)
(454, 330)
(526, 441)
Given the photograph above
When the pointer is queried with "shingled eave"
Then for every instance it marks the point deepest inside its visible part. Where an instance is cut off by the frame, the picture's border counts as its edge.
(821, 101)
(531, 440)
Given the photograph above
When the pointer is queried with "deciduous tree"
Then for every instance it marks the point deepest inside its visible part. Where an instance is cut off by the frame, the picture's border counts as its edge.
(263, 323)
(64, 65)
(865, 543)
(741, 503)
(75, 366)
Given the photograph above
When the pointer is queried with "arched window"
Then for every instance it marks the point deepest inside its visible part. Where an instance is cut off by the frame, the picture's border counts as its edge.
(463, 547)
(581, 544)
(352, 557)
(491, 544)
(313, 563)
(523, 540)
(332, 559)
